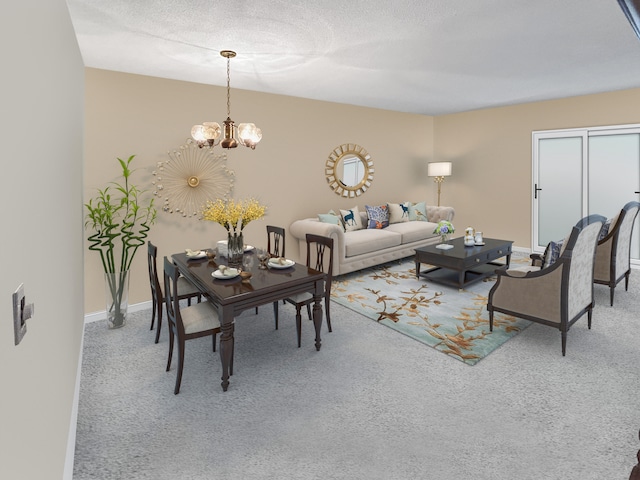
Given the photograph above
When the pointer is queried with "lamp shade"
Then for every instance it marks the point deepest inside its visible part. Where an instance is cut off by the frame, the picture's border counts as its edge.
(439, 169)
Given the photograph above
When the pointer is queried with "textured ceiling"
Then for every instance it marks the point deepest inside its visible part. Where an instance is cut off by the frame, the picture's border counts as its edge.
(421, 56)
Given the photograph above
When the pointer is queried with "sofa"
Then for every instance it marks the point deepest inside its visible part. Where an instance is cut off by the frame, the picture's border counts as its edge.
(373, 243)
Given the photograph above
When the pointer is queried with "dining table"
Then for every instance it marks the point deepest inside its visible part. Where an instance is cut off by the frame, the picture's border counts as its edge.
(232, 296)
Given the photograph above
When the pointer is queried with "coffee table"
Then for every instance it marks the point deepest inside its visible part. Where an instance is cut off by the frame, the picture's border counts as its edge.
(461, 266)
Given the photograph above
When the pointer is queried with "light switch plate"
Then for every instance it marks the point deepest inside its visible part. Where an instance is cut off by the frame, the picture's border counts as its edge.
(19, 323)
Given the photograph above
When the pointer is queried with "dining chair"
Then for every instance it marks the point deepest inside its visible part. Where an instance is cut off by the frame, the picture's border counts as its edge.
(322, 260)
(195, 321)
(275, 248)
(186, 290)
(275, 241)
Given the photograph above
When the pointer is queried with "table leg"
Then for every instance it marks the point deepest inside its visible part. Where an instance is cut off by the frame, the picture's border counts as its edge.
(317, 311)
(226, 347)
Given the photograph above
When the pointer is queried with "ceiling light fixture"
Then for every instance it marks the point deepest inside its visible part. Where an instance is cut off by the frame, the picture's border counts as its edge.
(207, 133)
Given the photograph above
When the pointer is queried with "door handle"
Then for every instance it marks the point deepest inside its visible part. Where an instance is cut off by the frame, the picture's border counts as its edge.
(536, 190)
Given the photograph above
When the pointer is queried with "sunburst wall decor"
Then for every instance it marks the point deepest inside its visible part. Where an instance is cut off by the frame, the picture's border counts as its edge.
(190, 177)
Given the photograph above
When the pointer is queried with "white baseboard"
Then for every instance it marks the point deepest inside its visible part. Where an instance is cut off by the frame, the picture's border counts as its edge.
(102, 315)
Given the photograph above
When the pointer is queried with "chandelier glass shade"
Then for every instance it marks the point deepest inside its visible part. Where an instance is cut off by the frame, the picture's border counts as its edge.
(209, 133)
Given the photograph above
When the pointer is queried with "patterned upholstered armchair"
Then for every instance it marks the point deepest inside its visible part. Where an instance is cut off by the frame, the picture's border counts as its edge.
(557, 295)
(614, 250)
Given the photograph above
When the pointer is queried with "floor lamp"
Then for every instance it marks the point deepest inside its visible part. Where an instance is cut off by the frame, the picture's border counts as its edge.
(439, 170)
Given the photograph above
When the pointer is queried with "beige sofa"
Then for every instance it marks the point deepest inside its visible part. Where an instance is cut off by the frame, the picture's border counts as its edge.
(358, 249)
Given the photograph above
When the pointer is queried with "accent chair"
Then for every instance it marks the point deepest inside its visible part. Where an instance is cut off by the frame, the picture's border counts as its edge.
(556, 295)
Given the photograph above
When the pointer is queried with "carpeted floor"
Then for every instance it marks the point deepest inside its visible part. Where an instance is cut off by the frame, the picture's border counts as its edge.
(371, 404)
(451, 320)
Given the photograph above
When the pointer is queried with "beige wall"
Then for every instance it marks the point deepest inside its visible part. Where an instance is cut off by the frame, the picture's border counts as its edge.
(490, 150)
(131, 114)
(41, 196)
(491, 153)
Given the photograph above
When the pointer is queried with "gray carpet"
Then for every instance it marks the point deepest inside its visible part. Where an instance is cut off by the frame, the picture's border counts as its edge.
(372, 404)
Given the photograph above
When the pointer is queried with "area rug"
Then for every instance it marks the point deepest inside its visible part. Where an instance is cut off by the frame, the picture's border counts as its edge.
(452, 321)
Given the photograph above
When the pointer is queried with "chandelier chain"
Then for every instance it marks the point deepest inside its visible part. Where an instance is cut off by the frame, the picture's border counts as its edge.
(228, 89)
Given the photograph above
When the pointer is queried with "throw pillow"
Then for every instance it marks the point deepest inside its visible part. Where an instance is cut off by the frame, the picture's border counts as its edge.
(378, 216)
(418, 211)
(552, 253)
(351, 219)
(331, 218)
(398, 212)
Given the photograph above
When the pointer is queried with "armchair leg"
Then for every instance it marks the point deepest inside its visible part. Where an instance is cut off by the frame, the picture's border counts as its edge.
(564, 342)
(491, 320)
(626, 281)
(611, 290)
(180, 365)
(589, 312)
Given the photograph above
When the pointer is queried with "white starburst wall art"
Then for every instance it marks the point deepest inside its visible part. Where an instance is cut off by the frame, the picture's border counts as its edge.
(190, 177)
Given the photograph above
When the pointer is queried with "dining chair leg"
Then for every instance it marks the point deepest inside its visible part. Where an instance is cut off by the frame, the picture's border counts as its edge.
(275, 313)
(159, 323)
(170, 350)
(327, 302)
(180, 365)
(153, 314)
(299, 324)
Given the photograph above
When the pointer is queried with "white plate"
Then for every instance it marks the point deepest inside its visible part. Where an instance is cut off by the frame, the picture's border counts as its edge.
(479, 244)
(248, 248)
(221, 276)
(273, 263)
(200, 254)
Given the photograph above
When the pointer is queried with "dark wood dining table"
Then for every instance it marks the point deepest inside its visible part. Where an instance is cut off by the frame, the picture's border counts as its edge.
(233, 296)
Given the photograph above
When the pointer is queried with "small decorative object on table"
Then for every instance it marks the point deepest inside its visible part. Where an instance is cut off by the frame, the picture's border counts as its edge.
(444, 229)
(478, 240)
(234, 216)
(469, 240)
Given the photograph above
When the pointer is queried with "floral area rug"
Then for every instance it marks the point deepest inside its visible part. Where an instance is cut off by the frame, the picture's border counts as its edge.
(452, 321)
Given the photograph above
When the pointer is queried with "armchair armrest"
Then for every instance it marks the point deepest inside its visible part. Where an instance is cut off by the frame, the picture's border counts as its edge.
(536, 260)
(535, 293)
(435, 214)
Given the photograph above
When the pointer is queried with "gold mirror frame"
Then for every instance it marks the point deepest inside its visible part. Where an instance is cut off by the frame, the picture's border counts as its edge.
(333, 175)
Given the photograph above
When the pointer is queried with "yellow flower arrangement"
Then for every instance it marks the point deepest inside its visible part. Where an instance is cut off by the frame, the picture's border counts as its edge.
(233, 215)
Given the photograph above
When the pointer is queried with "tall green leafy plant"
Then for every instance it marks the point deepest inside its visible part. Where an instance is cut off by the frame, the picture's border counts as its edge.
(119, 220)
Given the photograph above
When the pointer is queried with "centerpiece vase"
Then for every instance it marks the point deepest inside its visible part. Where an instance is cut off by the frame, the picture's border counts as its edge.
(235, 249)
(117, 296)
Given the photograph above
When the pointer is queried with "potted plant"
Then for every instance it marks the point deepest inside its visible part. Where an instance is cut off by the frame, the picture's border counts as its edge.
(118, 219)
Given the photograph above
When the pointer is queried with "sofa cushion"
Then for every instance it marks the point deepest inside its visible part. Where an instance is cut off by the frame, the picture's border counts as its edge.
(398, 212)
(378, 216)
(370, 240)
(418, 211)
(351, 219)
(413, 231)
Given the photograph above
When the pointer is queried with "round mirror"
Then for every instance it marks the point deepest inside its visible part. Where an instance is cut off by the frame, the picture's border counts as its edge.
(349, 170)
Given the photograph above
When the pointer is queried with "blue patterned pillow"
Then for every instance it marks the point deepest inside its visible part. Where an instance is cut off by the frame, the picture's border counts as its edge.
(552, 253)
(378, 216)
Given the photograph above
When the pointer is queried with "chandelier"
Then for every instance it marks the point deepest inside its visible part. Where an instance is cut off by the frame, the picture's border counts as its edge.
(207, 133)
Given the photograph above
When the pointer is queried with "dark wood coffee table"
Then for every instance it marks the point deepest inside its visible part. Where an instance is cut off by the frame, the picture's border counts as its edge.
(461, 266)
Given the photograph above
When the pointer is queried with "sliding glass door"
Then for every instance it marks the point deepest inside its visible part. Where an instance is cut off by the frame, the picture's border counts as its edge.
(582, 171)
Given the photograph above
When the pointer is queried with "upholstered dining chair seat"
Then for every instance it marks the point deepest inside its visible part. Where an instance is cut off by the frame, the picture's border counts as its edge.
(199, 317)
